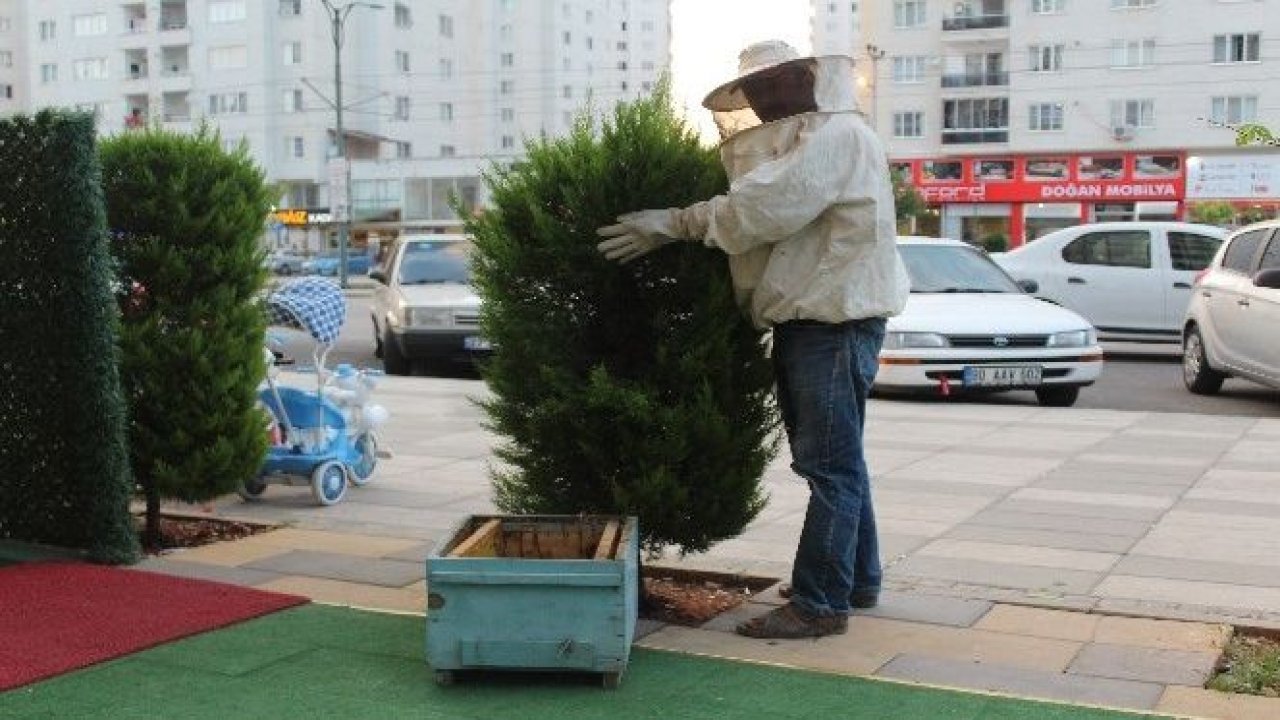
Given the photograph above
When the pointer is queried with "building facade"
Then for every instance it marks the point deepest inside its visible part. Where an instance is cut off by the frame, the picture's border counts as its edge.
(1016, 117)
(434, 91)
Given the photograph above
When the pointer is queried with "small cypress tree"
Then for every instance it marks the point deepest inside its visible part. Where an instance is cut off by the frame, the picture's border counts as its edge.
(639, 389)
(186, 217)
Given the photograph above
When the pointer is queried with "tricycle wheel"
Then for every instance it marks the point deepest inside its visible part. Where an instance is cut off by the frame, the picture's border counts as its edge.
(252, 489)
(610, 680)
(329, 483)
(362, 470)
(445, 677)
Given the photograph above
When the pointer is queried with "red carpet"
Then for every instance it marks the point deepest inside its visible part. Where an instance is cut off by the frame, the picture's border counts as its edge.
(58, 617)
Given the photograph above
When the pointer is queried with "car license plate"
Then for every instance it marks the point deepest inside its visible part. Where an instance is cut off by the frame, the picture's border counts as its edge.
(1002, 376)
(475, 343)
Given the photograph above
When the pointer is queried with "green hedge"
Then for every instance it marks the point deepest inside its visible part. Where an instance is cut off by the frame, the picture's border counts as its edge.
(62, 417)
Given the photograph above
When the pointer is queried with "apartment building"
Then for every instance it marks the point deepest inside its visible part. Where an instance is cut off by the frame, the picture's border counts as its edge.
(1016, 117)
(433, 90)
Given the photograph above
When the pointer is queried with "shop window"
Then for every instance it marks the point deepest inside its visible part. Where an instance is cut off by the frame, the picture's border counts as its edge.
(1101, 168)
(1121, 248)
(993, 169)
(1156, 166)
(1192, 251)
(1047, 169)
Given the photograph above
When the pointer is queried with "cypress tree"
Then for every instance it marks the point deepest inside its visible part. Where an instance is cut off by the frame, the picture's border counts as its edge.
(186, 217)
(639, 389)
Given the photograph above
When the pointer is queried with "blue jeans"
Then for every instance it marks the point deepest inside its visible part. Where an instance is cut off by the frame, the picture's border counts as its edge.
(824, 374)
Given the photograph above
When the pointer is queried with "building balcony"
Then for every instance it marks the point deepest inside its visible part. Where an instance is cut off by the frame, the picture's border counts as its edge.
(975, 136)
(975, 79)
(975, 22)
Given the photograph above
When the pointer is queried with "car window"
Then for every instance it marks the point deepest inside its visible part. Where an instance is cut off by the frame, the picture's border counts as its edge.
(426, 263)
(1192, 251)
(949, 268)
(1243, 249)
(1114, 248)
(1271, 258)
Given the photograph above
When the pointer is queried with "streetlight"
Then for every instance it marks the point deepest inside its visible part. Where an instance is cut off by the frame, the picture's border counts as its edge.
(875, 54)
(337, 24)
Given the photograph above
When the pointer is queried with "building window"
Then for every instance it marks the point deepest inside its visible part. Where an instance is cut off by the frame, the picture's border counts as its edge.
(1047, 7)
(1045, 116)
(508, 115)
(1134, 113)
(89, 25)
(236, 103)
(1132, 53)
(1128, 4)
(446, 26)
(448, 151)
(6, 58)
(230, 57)
(506, 32)
(225, 11)
(908, 69)
(48, 73)
(402, 108)
(89, 69)
(908, 124)
(1234, 109)
(404, 18)
(293, 53)
(506, 87)
(1240, 47)
(292, 101)
(908, 13)
(566, 91)
(6, 24)
(1045, 58)
(6, 91)
(446, 68)
(567, 38)
(290, 8)
(48, 30)
(295, 147)
(508, 142)
(402, 61)
(404, 150)
(446, 112)
(507, 60)
(975, 120)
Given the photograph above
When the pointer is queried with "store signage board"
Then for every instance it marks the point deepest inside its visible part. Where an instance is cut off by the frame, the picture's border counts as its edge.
(1233, 177)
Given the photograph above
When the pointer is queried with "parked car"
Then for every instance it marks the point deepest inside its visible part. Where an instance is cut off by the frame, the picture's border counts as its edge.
(1132, 280)
(968, 327)
(358, 263)
(424, 307)
(284, 263)
(1232, 325)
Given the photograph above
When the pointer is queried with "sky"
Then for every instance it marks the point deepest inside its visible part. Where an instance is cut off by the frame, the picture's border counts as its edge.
(707, 35)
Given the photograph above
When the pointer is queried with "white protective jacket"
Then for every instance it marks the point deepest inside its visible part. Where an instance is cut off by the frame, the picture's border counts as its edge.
(808, 222)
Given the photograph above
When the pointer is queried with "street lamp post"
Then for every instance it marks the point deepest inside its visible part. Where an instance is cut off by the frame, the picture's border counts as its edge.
(337, 24)
(875, 54)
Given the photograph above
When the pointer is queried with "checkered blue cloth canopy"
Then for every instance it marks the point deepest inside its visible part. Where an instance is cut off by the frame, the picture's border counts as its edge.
(311, 304)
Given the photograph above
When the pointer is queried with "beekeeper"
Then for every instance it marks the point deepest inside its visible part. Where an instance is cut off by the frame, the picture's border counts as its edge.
(808, 226)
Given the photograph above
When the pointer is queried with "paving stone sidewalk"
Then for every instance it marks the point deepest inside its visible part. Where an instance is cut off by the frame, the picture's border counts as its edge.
(1088, 556)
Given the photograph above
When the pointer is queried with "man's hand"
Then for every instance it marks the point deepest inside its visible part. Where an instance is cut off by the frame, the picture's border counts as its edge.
(637, 234)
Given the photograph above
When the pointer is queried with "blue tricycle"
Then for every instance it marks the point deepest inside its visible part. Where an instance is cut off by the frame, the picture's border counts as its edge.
(326, 438)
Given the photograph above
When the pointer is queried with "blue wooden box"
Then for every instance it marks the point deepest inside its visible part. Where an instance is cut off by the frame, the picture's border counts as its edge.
(534, 592)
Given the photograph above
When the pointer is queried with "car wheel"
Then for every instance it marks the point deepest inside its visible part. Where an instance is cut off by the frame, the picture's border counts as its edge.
(393, 362)
(1196, 373)
(1058, 396)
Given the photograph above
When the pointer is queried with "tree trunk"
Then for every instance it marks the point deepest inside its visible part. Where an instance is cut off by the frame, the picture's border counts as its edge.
(151, 537)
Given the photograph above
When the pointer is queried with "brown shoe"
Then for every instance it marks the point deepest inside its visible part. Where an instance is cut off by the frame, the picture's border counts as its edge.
(859, 599)
(790, 622)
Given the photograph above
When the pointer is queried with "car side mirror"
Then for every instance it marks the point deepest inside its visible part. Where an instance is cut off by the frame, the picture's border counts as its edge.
(1268, 279)
(1030, 287)
(378, 276)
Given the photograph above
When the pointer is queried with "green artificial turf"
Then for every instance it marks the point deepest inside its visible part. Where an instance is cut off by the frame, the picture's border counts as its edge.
(325, 662)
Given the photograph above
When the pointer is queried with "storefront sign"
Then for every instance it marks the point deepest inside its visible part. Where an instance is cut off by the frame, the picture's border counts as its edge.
(1234, 177)
(1109, 191)
(300, 218)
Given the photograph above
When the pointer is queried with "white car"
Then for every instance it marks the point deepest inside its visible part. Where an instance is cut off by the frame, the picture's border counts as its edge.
(968, 327)
(1132, 280)
(424, 307)
(1233, 323)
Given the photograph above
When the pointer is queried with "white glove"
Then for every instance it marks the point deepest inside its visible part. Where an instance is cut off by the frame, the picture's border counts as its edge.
(637, 234)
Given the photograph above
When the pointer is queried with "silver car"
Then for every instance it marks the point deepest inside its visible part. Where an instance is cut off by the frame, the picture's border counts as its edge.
(1232, 327)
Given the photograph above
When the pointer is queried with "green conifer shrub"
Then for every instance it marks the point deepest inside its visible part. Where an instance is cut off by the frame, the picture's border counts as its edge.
(186, 217)
(62, 414)
(639, 389)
